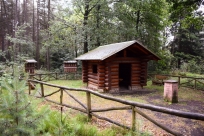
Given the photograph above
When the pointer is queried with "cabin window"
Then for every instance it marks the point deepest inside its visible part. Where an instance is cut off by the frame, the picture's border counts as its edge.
(94, 68)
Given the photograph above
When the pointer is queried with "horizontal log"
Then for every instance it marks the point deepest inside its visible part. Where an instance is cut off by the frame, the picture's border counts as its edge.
(135, 78)
(101, 82)
(114, 66)
(114, 76)
(93, 77)
(101, 74)
(136, 72)
(114, 73)
(115, 80)
(136, 64)
(101, 71)
(111, 109)
(92, 83)
(101, 79)
(114, 85)
(136, 68)
(114, 70)
(93, 80)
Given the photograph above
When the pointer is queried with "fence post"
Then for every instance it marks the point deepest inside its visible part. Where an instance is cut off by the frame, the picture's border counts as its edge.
(88, 96)
(133, 118)
(40, 76)
(61, 101)
(56, 76)
(49, 77)
(179, 80)
(42, 89)
(29, 87)
(195, 85)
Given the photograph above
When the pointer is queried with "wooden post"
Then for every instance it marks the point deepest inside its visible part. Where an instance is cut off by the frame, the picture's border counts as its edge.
(61, 101)
(42, 89)
(56, 76)
(66, 76)
(40, 76)
(179, 80)
(133, 118)
(195, 85)
(29, 87)
(88, 96)
(49, 77)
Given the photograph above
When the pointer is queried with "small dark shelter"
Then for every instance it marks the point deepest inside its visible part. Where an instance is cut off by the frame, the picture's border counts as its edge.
(70, 66)
(118, 66)
(30, 66)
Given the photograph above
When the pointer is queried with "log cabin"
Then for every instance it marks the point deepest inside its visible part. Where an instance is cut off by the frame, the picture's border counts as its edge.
(30, 66)
(116, 67)
(70, 66)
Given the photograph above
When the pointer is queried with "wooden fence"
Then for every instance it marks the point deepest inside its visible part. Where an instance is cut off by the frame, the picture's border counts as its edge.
(54, 76)
(185, 81)
(130, 105)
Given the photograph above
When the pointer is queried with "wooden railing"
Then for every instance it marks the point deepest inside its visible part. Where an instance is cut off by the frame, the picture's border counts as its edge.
(185, 81)
(54, 76)
(130, 105)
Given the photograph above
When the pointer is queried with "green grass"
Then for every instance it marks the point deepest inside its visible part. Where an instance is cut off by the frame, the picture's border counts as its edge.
(78, 125)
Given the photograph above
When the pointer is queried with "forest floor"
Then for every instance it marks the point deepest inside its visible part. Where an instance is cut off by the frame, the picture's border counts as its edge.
(188, 100)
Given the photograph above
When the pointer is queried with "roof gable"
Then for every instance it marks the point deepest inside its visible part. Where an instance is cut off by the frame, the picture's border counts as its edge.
(103, 52)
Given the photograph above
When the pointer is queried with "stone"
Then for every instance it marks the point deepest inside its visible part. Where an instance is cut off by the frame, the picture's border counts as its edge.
(171, 91)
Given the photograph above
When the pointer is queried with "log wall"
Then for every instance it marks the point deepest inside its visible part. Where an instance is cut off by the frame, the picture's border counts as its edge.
(107, 76)
(101, 75)
(136, 73)
(85, 71)
(114, 77)
(92, 77)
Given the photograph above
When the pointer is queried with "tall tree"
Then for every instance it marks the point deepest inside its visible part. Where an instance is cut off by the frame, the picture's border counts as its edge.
(186, 26)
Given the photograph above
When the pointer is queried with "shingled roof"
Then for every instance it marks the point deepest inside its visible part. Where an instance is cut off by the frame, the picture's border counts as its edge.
(103, 52)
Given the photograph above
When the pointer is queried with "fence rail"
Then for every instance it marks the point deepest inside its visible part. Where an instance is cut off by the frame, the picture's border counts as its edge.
(185, 81)
(130, 105)
(54, 76)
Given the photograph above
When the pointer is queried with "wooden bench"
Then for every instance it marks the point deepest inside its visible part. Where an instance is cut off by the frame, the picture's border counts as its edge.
(158, 79)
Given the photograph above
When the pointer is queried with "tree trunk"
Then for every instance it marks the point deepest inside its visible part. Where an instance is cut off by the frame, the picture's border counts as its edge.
(37, 37)
(98, 43)
(48, 48)
(86, 14)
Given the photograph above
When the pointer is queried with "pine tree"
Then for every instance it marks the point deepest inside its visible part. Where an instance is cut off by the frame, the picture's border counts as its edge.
(19, 113)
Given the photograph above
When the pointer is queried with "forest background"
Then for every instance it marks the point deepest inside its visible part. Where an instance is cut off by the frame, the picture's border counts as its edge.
(53, 31)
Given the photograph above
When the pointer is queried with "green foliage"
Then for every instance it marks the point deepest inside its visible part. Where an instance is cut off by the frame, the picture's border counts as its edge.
(19, 114)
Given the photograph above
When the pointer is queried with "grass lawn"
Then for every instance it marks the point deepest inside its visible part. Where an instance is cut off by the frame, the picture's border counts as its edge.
(189, 100)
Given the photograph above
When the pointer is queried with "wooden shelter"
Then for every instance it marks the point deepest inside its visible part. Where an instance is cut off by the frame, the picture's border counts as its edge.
(70, 66)
(118, 66)
(30, 66)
